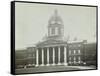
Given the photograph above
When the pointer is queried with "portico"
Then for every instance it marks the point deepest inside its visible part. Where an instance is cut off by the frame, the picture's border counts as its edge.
(53, 50)
(57, 58)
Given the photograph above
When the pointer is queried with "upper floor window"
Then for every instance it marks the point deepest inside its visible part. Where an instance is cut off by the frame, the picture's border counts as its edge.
(79, 59)
(33, 55)
(49, 31)
(79, 45)
(74, 58)
(70, 46)
(79, 51)
(74, 51)
(53, 31)
(69, 52)
(56, 30)
(74, 45)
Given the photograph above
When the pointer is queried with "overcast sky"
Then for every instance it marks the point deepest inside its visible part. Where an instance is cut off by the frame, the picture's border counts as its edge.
(31, 21)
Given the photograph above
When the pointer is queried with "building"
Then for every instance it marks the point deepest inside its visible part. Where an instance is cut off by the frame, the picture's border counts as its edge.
(54, 50)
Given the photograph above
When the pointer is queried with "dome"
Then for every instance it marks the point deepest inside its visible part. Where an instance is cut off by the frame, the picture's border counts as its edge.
(55, 19)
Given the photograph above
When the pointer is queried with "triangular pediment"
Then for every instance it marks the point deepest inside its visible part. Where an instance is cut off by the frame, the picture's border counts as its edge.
(50, 43)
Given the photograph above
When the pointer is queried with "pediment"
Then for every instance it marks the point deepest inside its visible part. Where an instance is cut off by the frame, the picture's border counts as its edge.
(51, 42)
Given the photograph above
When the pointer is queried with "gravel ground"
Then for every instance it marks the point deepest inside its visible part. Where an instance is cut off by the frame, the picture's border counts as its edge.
(52, 69)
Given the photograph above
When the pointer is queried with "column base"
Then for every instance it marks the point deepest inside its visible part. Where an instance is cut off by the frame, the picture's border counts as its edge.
(65, 64)
(42, 64)
(48, 64)
(59, 63)
(36, 65)
(53, 64)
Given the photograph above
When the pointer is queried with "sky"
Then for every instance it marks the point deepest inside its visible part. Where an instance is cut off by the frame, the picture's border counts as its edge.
(31, 22)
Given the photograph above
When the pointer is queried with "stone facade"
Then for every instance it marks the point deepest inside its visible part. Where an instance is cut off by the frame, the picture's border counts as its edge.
(54, 50)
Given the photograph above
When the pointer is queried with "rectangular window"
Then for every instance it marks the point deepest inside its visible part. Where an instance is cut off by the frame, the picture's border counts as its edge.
(70, 46)
(74, 51)
(69, 52)
(79, 59)
(50, 31)
(79, 45)
(74, 58)
(53, 31)
(70, 58)
(56, 31)
(79, 52)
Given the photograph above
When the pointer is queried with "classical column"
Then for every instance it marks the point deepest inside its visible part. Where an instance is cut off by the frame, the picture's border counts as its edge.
(37, 58)
(42, 57)
(65, 55)
(53, 56)
(59, 56)
(47, 56)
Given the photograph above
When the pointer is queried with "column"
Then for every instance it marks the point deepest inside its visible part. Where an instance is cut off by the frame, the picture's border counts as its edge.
(59, 56)
(47, 56)
(42, 57)
(53, 56)
(37, 58)
(65, 55)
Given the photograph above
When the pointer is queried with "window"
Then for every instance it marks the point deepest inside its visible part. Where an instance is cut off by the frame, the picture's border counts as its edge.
(69, 62)
(29, 55)
(79, 52)
(70, 58)
(74, 51)
(79, 45)
(53, 31)
(50, 31)
(70, 46)
(79, 59)
(56, 31)
(33, 55)
(69, 52)
(74, 45)
(74, 58)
